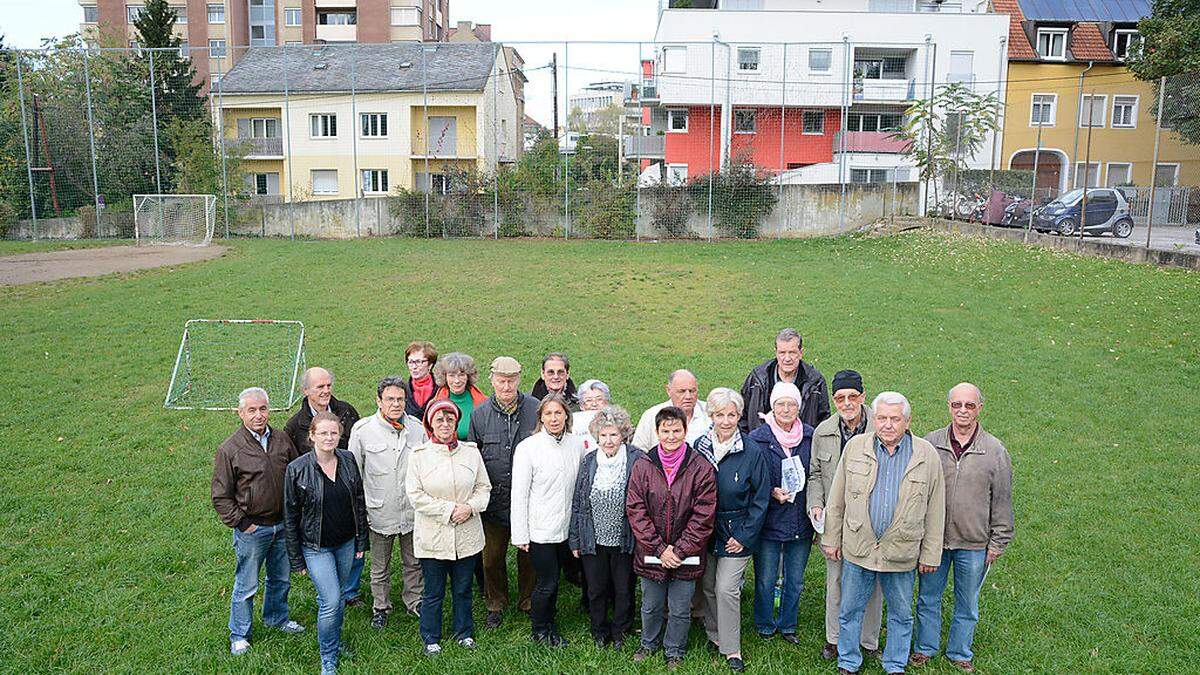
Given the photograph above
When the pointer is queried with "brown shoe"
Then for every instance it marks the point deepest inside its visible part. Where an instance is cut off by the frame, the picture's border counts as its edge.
(829, 651)
(964, 666)
(641, 655)
(843, 671)
(876, 653)
(918, 659)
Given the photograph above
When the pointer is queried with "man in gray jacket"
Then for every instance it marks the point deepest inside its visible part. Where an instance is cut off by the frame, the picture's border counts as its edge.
(381, 445)
(979, 525)
(497, 426)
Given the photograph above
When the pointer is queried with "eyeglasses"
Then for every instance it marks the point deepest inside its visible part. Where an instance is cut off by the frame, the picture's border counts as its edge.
(843, 398)
(326, 434)
(417, 362)
(393, 400)
(969, 405)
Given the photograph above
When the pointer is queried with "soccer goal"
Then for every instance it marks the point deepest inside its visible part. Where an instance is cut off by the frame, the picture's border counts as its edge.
(219, 358)
(174, 219)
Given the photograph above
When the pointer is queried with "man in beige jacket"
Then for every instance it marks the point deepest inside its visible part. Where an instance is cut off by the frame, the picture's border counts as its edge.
(884, 519)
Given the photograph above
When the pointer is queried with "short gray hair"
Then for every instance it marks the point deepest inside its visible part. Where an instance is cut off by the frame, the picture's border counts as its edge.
(612, 416)
(978, 391)
(597, 385)
(390, 381)
(893, 398)
(722, 396)
(253, 393)
(789, 334)
(671, 377)
(308, 371)
(455, 362)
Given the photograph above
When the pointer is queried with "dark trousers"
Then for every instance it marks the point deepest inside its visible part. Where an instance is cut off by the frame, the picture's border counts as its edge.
(548, 561)
(609, 577)
(435, 572)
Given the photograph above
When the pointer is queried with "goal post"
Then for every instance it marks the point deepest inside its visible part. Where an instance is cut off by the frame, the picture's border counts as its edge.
(218, 358)
(186, 220)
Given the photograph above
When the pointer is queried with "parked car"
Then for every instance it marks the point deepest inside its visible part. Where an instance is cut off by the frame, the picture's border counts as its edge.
(1107, 211)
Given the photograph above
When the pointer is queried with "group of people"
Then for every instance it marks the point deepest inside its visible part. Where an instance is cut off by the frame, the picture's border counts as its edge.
(682, 504)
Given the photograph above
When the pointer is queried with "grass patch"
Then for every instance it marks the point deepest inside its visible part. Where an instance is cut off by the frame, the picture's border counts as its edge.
(114, 559)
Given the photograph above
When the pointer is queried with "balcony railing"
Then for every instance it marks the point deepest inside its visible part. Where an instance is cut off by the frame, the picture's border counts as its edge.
(869, 141)
(256, 147)
(650, 147)
(866, 89)
(337, 33)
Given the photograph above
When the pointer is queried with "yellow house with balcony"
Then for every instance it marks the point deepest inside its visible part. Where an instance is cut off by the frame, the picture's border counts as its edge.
(1068, 82)
(347, 121)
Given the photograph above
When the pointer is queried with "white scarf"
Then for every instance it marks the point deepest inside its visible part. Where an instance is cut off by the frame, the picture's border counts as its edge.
(720, 449)
(610, 471)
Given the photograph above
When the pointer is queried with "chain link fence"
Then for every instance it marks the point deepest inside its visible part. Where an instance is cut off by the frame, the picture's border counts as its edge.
(630, 140)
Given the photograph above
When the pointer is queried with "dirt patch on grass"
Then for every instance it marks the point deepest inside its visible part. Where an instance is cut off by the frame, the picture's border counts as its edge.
(31, 268)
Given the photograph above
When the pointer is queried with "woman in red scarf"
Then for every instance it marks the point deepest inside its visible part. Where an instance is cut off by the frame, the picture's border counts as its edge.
(420, 356)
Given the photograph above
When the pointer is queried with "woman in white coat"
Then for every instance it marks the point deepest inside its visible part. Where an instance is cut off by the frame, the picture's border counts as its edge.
(543, 481)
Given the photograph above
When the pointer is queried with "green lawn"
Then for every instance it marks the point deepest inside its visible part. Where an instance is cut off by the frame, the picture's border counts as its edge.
(114, 560)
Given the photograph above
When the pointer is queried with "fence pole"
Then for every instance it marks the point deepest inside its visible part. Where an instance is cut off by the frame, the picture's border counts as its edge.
(567, 133)
(1037, 156)
(1087, 167)
(224, 157)
(87, 82)
(782, 140)
(154, 130)
(287, 121)
(848, 66)
(28, 156)
(1162, 92)
(637, 174)
(496, 145)
(712, 117)
(957, 157)
(425, 133)
(354, 131)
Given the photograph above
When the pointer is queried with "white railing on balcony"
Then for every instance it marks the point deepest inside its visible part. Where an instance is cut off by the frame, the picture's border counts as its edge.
(339, 33)
(883, 90)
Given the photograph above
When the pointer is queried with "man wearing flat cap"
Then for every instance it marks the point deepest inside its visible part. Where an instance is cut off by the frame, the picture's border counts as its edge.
(498, 424)
(829, 438)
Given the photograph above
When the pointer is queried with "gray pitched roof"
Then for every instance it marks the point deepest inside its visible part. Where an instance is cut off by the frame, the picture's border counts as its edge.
(462, 66)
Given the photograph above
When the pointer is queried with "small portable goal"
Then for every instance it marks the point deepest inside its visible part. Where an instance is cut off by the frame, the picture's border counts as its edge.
(181, 220)
(218, 358)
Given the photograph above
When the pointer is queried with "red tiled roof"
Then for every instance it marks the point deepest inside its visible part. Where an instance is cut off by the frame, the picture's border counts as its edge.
(1018, 42)
(1087, 44)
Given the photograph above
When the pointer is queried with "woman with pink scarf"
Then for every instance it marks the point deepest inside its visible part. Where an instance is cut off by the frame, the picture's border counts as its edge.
(787, 534)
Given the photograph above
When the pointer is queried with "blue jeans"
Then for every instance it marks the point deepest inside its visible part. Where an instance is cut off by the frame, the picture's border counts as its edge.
(857, 586)
(766, 570)
(461, 573)
(329, 568)
(264, 545)
(354, 580)
(968, 577)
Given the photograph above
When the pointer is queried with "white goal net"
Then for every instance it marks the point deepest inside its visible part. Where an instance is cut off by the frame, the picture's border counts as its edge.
(219, 358)
(174, 219)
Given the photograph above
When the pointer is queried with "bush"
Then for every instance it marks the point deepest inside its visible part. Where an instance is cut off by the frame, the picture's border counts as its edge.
(741, 198)
(670, 207)
(608, 209)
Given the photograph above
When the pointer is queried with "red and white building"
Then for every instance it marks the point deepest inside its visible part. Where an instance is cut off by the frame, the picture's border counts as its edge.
(810, 90)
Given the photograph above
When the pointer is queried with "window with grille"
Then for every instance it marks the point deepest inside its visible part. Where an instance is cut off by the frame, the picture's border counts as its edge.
(374, 125)
(1124, 112)
(1043, 109)
(323, 125)
(374, 180)
(814, 122)
(745, 121)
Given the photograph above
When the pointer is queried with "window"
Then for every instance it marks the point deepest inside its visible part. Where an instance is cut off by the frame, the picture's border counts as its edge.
(215, 79)
(890, 6)
(814, 122)
(674, 59)
(374, 180)
(134, 44)
(438, 183)
(1166, 175)
(748, 58)
(819, 60)
(874, 121)
(880, 68)
(677, 174)
(185, 51)
(1126, 43)
(1124, 112)
(180, 13)
(324, 181)
(1043, 109)
(1092, 110)
(322, 125)
(443, 136)
(374, 125)
(216, 12)
(263, 183)
(962, 67)
(337, 18)
(216, 49)
(1052, 44)
(292, 16)
(406, 16)
(677, 120)
(90, 14)
(1119, 173)
(869, 175)
(745, 121)
(132, 12)
(264, 127)
(1090, 171)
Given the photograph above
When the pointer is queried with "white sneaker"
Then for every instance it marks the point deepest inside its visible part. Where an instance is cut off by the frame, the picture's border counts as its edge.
(433, 649)
(290, 626)
(239, 647)
(467, 643)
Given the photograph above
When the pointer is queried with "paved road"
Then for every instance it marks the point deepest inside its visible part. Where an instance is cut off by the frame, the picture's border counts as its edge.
(1164, 237)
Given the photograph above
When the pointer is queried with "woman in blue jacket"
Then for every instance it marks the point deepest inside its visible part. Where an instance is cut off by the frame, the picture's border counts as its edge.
(743, 495)
(787, 535)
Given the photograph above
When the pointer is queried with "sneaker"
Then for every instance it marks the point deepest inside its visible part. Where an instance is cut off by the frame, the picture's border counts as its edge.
(601, 642)
(557, 640)
(541, 639)
(239, 647)
(641, 654)
(736, 664)
(673, 662)
(493, 620)
(433, 649)
(467, 643)
(790, 638)
(379, 619)
(354, 602)
(290, 626)
(829, 651)
(328, 668)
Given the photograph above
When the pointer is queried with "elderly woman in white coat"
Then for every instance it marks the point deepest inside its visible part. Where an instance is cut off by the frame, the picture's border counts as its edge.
(543, 481)
(449, 487)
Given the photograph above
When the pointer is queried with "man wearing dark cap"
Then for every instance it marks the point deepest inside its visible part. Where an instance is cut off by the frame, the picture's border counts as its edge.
(829, 438)
(497, 426)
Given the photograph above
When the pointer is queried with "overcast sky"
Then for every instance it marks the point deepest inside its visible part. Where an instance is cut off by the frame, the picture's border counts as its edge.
(27, 22)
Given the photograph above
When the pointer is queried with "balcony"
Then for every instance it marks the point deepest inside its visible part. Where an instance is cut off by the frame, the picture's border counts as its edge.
(641, 95)
(256, 148)
(322, 4)
(885, 91)
(647, 147)
(337, 33)
(869, 141)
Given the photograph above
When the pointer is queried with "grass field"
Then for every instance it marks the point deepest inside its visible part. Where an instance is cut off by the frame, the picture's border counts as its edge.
(113, 559)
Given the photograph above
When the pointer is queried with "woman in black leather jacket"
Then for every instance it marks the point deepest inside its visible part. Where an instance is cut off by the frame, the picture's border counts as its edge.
(325, 526)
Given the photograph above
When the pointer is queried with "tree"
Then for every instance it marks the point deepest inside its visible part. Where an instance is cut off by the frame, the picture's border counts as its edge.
(1171, 49)
(945, 131)
(177, 94)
